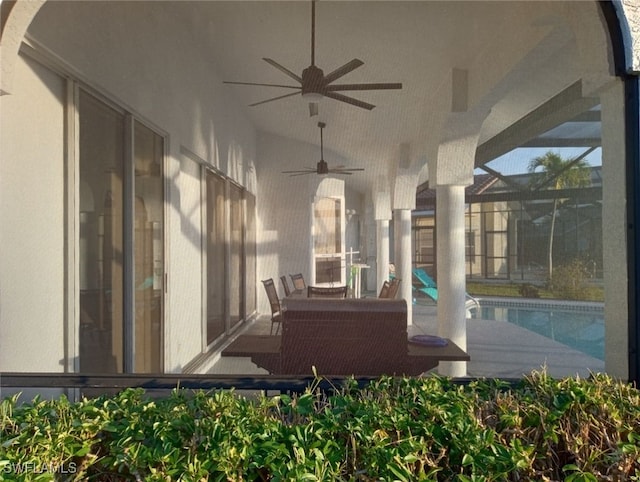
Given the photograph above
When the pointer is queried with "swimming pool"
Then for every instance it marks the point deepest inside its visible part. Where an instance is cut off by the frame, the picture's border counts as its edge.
(580, 326)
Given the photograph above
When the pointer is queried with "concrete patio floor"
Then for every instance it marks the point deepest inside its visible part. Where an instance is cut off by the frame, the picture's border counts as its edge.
(498, 349)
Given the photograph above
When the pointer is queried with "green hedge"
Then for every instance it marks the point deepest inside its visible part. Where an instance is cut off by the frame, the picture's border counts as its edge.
(394, 429)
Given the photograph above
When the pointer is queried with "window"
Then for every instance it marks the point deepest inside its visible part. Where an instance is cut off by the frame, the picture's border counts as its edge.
(230, 253)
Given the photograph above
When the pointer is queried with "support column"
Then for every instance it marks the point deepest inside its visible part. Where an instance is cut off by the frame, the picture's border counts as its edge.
(403, 258)
(614, 233)
(450, 231)
(382, 252)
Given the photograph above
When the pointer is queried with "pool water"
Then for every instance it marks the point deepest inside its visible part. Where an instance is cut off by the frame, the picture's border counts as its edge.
(581, 330)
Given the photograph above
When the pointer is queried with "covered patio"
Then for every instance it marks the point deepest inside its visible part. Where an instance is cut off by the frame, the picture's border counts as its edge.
(138, 228)
(498, 349)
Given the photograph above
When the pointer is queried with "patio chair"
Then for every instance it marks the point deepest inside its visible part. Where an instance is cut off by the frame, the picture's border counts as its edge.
(298, 281)
(426, 283)
(285, 285)
(394, 285)
(384, 291)
(276, 310)
(327, 292)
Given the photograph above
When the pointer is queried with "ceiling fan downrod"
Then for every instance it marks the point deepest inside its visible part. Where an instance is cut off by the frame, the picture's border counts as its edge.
(313, 32)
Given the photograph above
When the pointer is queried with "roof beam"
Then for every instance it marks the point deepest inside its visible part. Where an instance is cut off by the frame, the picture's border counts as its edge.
(561, 108)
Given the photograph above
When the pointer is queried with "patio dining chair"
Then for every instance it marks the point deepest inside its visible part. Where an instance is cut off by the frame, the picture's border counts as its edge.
(327, 292)
(394, 285)
(285, 285)
(298, 281)
(276, 310)
(384, 291)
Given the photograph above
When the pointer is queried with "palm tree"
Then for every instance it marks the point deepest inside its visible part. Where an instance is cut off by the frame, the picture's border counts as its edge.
(558, 173)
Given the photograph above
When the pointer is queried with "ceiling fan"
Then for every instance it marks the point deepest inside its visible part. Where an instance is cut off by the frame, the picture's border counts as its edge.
(314, 84)
(322, 167)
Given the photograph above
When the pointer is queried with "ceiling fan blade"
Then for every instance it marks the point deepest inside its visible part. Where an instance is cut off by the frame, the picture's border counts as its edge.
(344, 70)
(313, 109)
(302, 173)
(262, 85)
(307, 169)
(334, 171)
(350, 169)
(335, 87)
(274, 98)
(282, 69)
(349, 100)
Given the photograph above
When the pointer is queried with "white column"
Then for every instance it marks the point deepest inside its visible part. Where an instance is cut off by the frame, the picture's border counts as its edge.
(451, 272)
(382, 252)
(403, 258)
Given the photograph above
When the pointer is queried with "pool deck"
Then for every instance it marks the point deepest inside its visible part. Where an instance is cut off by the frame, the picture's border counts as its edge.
(498, 349)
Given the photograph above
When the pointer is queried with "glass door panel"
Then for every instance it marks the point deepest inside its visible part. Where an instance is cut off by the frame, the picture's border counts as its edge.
(327, 242)
(101, 241)
(236, 267)
(215, 246)
(148, 249)
(250, 270)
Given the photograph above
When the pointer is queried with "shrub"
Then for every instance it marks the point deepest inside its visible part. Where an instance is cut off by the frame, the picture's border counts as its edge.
(529, 291)
(570, 281)
(392, 429)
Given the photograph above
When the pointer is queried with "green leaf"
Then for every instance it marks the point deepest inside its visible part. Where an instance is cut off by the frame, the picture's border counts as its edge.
(398, 474)
(410, 458)
(83, 451)
(467, 459)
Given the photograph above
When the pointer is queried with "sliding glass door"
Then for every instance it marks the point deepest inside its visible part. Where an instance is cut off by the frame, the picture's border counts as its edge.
(121, 245)
(230, 254)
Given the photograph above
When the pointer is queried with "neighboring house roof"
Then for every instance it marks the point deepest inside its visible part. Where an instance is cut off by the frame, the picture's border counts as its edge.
(491, 188)
(426, 196)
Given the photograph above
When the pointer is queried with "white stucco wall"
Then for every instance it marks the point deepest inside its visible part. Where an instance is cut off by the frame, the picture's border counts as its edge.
(31, 220)
(631, 14)
(183, 321)
(126, 57)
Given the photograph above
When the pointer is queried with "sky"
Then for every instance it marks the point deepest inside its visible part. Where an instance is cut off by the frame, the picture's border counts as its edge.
(517, 160)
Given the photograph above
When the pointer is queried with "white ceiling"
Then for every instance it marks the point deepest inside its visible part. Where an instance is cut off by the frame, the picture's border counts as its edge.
(416, 43)
(517, 56)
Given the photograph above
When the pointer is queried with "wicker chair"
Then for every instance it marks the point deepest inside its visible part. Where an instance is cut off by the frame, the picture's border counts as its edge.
(326, 292)
(285, 285)
(298, 282)
(276, 310)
